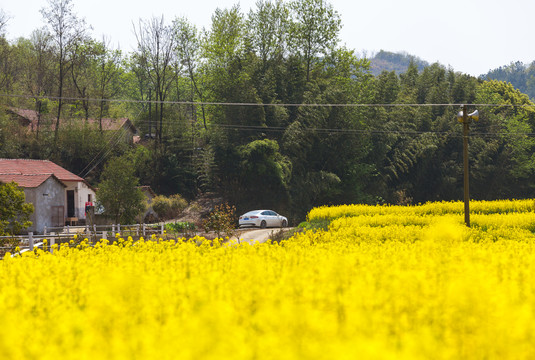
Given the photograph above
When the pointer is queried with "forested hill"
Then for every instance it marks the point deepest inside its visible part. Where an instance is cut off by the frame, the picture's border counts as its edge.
(262, 111)
(398, 62)
(520, 75)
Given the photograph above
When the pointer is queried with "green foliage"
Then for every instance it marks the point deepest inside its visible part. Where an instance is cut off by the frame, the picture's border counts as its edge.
(118, 192)
(315, 30)
(262, 164)
(288, 157)
(181, 229)
(168, 207)
(14, 211)
(518, 74)
(180, 226)
(315, 224)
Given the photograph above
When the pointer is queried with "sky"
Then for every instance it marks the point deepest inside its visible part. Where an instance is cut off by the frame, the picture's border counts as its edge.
(470, 36)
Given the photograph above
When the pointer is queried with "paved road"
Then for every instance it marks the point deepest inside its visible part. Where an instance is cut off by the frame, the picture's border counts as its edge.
(255, 235)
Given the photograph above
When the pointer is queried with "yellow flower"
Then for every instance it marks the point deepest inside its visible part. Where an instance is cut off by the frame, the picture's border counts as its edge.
(388, 282)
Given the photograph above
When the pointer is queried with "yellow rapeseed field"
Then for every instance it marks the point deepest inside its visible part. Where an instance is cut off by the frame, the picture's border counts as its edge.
(384, 282)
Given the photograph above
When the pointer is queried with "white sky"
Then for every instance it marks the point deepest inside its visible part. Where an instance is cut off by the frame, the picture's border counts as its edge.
(471, 36)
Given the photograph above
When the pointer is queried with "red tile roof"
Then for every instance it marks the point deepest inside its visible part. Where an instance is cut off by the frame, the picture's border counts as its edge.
(26, 181)
(36, 167)
(31, 117)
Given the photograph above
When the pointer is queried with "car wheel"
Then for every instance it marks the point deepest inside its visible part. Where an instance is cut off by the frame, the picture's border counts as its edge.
(284, 223)
(263, 224)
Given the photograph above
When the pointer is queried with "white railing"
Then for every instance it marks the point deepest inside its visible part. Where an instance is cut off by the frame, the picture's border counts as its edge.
(94, 230)
(93, 233)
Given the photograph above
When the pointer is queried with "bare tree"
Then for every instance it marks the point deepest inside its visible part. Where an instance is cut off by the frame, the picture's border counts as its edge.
(83, 69)
(38, 72)
(268, 28)
(4, 18)
(5, 53)
(108, 62)
(156, 52)
(67, 30)
(188, 50)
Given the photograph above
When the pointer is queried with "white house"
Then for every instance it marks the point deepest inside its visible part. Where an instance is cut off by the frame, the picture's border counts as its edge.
(58, 195)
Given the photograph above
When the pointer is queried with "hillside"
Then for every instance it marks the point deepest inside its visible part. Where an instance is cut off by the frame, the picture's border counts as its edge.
(398, 62)
(520, 75)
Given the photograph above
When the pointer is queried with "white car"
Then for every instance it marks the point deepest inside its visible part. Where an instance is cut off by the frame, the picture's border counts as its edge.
(263, 219)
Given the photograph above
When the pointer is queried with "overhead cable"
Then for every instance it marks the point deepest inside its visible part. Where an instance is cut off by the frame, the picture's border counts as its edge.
(262, 104)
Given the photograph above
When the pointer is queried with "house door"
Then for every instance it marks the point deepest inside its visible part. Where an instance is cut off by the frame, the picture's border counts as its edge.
(57, 216)
(70, 203)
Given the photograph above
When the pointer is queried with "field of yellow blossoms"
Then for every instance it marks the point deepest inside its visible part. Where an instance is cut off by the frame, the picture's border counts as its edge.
(383, 282)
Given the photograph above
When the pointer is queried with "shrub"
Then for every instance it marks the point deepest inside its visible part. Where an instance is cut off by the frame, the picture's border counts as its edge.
(168, 207)
(14, 210)
(222, 220)
(118, 191)
(181, 227)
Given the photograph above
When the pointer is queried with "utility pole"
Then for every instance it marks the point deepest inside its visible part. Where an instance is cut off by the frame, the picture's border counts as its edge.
(465, 118)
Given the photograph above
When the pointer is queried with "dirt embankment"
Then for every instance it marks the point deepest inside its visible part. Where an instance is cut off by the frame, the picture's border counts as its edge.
(198, 209)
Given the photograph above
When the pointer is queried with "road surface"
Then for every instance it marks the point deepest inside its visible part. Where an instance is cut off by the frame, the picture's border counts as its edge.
(252, 236)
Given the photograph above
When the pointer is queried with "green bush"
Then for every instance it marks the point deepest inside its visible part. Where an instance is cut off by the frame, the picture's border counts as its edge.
(168, 207)
(179, 227)
(316, 224)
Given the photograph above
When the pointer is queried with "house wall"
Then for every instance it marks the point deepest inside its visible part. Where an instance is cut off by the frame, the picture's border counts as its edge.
(81, 192)
(44, 198)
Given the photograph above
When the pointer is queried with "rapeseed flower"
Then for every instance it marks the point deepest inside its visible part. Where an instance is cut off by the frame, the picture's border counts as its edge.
(383, 282)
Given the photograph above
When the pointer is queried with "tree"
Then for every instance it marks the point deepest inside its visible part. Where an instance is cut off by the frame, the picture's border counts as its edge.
(14, 210)
(107, 76)
(156, 47)
(4, 18)
(188, 50)
(502, 150)
(83, 72)
(268, 28)
(38, 70)
(67, 31)
(315, 31)
(222, 220)
(264, 173)
(6, 61)
(118, 192)
(4, 50)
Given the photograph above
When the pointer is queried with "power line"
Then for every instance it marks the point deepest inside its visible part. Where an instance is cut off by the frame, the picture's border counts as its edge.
(109, 149)
(118, 135)
(261, 104)
(258, 128)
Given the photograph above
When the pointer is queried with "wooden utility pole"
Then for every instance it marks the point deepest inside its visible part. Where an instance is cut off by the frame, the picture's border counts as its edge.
(466, 167)
(465, 118)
